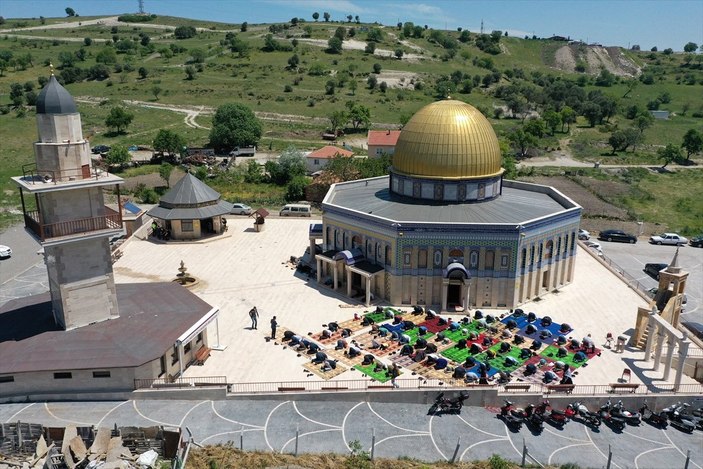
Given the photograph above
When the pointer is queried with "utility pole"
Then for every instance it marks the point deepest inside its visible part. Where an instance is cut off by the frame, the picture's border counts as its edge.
(141, 7)
(481, 26)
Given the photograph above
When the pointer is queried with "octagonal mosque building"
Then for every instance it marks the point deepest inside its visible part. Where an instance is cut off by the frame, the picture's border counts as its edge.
(444, 229)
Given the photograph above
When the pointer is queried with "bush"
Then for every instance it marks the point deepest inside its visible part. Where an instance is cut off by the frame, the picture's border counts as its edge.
(184, 32)
(287, 89)
(136, 18)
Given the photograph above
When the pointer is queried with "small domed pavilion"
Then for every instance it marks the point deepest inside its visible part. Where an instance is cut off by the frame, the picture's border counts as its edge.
(445, 229)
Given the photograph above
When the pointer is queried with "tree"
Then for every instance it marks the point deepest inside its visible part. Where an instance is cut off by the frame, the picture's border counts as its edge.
(66, 59)
(521, 141)
(143, 72)
(165, 171)
(16, 95)
(352, 86)
(592, 112)
(670, 154)
(234, 125)
(337, 120)
(316, 16)
(293, 62)
(372, 81)
(341, 32)
(465, 36)
(535, 127)
(295, 189)
(87, 41)
(370, 48)
(330, 87)
(197, 56)
(118, 156)
(383, 86)
(359, 115)
(326, 16)
(70, 11)
(335, 45)
(119, 119)
(168, 141)
(568, 117)
(356, 19)
(243, 28)
(156, 91)
(374, 35)
(184, 32)
(692, 142)
(290, 164)
(618, 141)
(399, 53)
(553, 120)
(377, 68)
(190, 72)
(644, 121)
(690, 47)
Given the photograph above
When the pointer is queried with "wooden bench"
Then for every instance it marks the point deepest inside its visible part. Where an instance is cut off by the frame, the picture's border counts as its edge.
(202, 354)
(517, 387)
(565, 388)
(292, 388)
(630, 387)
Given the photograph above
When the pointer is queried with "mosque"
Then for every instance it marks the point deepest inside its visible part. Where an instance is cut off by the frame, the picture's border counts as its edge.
(445, 229)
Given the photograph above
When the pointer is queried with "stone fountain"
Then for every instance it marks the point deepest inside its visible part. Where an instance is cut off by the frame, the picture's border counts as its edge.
(184, 278)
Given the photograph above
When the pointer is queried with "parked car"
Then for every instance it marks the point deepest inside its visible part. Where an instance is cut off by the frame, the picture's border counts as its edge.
(617, 235)
(584, 235)
(653, 268)
(240, 209)
(668, 238)
(5, 251)
(695, 327)
(295, 210)
(696, 242)
(595, 246)
(100, 149)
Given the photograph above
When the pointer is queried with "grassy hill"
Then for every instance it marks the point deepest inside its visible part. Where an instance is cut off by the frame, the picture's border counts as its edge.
(232, 65)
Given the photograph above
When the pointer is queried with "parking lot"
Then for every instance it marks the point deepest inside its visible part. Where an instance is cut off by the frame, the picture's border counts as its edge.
(632, 258)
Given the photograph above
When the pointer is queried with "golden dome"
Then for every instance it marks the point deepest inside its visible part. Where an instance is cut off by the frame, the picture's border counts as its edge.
(448, 140)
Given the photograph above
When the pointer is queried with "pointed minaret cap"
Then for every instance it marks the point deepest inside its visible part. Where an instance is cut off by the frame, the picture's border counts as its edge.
(674, 265)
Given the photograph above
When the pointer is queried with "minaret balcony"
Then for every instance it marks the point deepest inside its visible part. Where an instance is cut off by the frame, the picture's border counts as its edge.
(108, 223)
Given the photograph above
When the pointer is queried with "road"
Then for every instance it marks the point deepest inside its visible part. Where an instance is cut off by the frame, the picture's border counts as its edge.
(632, 258)
(401, 430)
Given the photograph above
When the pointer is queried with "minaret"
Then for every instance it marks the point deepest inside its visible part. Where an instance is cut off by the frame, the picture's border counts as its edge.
(672, 281)
(63, 205)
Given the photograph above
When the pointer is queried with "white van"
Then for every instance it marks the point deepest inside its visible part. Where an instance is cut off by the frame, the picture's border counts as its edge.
(295, 210)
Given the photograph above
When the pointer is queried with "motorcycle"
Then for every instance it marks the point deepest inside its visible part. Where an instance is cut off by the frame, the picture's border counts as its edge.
(445, 404)
(591, 418)
(609, 418)
(559, 417)
(691, 415)
(677, 420)
(511, 416)
(632, 418)
(660, 419)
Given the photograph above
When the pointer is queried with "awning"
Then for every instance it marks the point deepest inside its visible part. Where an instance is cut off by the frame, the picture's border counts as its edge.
(315, 229)
(365, 267)
(455, 267)
(350, 256)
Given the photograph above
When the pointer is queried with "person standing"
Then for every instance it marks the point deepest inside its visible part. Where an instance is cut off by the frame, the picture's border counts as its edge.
(254, 315)
(274, 325)
(394, 372)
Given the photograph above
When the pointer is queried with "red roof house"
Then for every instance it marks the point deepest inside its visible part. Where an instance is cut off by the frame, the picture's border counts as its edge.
(382, 141)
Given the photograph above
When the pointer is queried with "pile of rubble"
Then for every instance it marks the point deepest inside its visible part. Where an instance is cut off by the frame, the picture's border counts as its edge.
(32, 446)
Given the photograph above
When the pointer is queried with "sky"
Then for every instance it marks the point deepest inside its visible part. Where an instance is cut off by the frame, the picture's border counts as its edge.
(648, 23)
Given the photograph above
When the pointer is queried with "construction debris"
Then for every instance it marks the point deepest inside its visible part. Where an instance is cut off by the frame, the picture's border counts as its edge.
(32, 446)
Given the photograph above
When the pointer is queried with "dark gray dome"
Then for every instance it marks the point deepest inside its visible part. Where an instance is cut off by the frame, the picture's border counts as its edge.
(54, 99)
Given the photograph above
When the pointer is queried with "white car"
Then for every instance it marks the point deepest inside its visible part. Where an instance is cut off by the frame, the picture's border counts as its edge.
(5, 251)
(595, 246)
(668, 238)
(584, 235)
(240, 209)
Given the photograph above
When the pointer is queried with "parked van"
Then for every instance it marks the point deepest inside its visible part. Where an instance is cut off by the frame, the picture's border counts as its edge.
(295, 210)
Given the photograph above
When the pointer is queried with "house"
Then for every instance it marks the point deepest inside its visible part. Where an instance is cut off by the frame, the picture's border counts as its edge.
(382, 142)
(318, 159)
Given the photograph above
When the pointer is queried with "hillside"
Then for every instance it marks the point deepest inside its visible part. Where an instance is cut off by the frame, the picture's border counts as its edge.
(173, 72)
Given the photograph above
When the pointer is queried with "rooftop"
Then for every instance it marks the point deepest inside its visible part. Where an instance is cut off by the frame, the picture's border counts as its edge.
(329, 151)
(152, 317)
(519, 202)
(384, 138)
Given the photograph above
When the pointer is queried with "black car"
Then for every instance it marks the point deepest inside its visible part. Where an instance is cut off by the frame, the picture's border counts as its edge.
(100, 149)
(617, 235)
(696, 242)
(652, 269)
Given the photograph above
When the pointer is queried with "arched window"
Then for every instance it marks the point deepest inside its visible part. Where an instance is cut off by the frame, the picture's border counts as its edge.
(422, 258)
(566, 242)
(490, 260)
(457, 255)
(377, 253)
(387, 256)
(524, 258)
(473, 260)
(558, 245)
(548, 252)
(329, 240)
(541, 249)
(337, 239)
(532, 255)
(437, 258)
(356, 241)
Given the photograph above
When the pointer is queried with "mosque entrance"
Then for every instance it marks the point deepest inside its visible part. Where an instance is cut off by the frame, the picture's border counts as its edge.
(454, 295)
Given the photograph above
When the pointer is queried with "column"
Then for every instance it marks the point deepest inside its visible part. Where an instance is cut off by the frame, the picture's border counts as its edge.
(445, 287)
(653, 328)
(334, 276)
(669, 357)
(349, 282)
(683, 354)
(465, 295)
(318, 262)
(368, 290)
(658, 353)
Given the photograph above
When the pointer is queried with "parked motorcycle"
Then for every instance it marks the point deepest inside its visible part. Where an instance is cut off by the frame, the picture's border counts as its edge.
(689, 414)
(588, 417)
(607, 416)
(676, 419)
(559, 417)
(511, 416)
(660, 419)
(445, 404)
(632, 418)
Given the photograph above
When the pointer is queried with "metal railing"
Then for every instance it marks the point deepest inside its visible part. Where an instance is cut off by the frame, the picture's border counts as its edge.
(631, 281)
(179, 383)
(33, 175)
(111, 221)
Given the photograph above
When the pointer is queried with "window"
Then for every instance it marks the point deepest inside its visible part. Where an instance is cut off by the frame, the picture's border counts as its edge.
(356, 241)
(504, 261)
(566, 242)
(490, 260)
(199, 339)
(174, 355)
(101, 374)
(473, 259)
(541, 249)
(524, 258)
(548, 253)
(186, 225)
(437, 258)
(187, 348)
(63, 375)
(387, 256)
(573, 240)
(162, 364)
(316, 162)
(532, 256)
(406, 258)
(7, 379)
(422, 258)
(558, 245)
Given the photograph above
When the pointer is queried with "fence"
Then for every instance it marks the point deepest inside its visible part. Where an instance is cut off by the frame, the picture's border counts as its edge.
(631, 281)
(180, 383)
